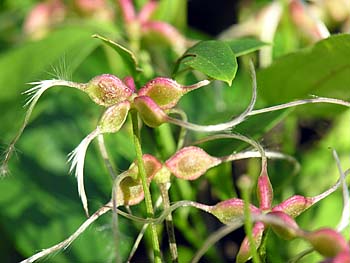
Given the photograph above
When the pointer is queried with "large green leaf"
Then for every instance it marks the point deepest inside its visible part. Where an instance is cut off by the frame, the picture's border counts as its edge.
(243, 46)
(322, 70)
(213, 58)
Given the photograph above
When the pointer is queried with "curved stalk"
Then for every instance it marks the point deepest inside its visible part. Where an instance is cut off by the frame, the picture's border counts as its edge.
(142, 174)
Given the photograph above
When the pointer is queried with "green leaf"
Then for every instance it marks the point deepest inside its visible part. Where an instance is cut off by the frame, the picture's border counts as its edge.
(213, 58)
(243, 46)
(322, 70)
(129, 57)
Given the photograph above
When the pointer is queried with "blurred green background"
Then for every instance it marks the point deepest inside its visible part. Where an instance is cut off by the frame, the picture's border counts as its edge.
(39, 203)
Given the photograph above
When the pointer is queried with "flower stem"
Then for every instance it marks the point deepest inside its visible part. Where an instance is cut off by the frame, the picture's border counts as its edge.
(142, 174)
(245, 186)
(169, 223)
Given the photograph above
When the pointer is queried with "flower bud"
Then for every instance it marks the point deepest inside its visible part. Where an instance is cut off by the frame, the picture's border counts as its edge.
(327, 242)
(294, 205)
(149, 111)
(130, 191)
(231, 209)
(163, 91)
(162, 176)
(114, 117)
(285, 227)
(264, 190)
(107, 90)
(42, 17)
(244, 253)
(166, 92)
(191, 162)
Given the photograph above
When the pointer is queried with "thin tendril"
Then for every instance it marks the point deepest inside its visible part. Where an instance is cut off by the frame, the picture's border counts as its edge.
(34, 95)
(227, 125)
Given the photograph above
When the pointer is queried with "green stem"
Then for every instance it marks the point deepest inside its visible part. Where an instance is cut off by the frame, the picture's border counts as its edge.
(142, 174)
(245, 186)
(169, 224)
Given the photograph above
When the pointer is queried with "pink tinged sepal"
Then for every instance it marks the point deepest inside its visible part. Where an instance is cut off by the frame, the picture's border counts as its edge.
(147, 11)
(130, 191)
(167, 92)
(285, 226)
(129, 81)
(244, 253)
(107, 90)
(342, 257)
(306, 21)
(190, 163)
(149, 111)
(327, 242)
(127, 9)
(167, 33)
(264, 190)
(114, 117)
(229, 210)
(294, 205)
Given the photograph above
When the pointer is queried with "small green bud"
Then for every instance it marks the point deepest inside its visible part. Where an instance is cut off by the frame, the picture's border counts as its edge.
(149, 111)
(130, 191)
(287, 228)
(294, 205)
(162, 176)
(264, 191)
(114, 117)
(244, 253)
(191, 162)
(327, 241)
(166, 92)
(107, 90)
(231, 209)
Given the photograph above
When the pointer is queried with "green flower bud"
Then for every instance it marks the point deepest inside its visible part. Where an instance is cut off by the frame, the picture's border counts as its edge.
(130, 191)
(231, 209)
(244, 253)
(167, 92)
(327, 242)
(149, 111)
(285, 227)
(190, 163)
(114, 117)
(107, 90)
(294, 205)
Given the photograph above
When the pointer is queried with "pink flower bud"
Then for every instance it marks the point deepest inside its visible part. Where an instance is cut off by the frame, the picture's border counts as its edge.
(304, 20)
(107, 90)
(287, 228)
(114, 117)
(231, 209)
(149, 111)
(327, 242)
(146, 11)
(163, 91)
(42, 17)
(294, 205)
(264, 190)
(244, 253)
(191, 162)
(167, 92)
(130, 191)
(129, 81)
(90, 6)
(168, 34)
(127, 10)
(342, 257)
